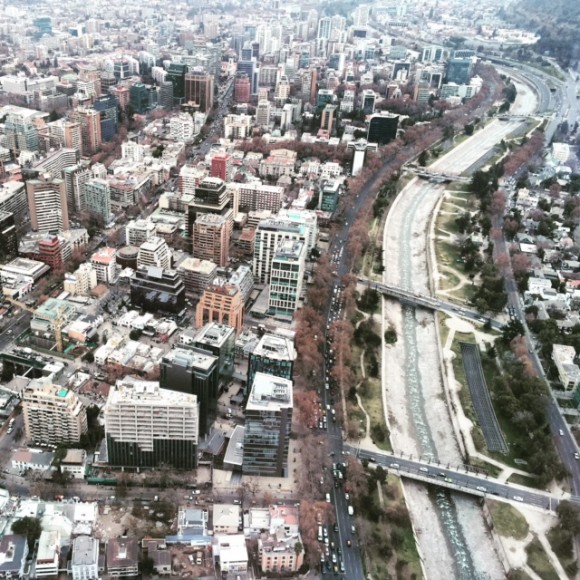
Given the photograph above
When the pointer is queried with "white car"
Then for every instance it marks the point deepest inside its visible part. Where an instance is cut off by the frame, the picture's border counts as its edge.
(518, 498)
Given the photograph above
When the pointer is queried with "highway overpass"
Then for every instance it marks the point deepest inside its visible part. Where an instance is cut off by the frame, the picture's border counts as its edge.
(458, 479)
(415, 299)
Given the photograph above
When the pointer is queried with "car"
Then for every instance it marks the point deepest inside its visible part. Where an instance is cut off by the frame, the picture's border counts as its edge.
(335, 528)
(346, 496)
(518, 498)
(424, 469)
(327, 498)
(349, 543)
(481, 488)
(561, 432)
(394, 466)
(576, 456)
(237, 502)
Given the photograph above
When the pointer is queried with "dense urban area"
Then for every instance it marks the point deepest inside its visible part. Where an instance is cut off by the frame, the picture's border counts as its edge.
(290, 290)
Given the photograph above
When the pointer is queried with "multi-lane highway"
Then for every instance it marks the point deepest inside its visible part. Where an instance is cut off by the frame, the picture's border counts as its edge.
(460, 480)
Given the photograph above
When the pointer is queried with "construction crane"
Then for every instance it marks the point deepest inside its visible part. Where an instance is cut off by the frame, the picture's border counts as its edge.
(57, 323)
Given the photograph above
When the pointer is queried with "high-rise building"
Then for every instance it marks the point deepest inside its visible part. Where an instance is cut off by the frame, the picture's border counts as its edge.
(268, 426)
(211, 196)
(382, 128)
(139, 231)
(142, 97)
(90, 122)
(263, 113)
(75, 178)
(13, 199)
(166, 94)
(249, 67)
(182, 128)
(199, 90)
(50, 252)
(193, 371)
(269, 234)
(176, 76)
(53, 415)
(154, 252)
(20, 129)
(107, 107)
(219, 340)
(147, 426)
(242, 89)
(197, 275)
(157, 290)
(327, 118)
(221, 166)
(104, 262)
(368, 100)
(324, 28)
(282, 92)
(220, 303)
(286, 277)
(47, 204)
(459, 70)
(8, 238)
(211, 238)
(55, 163)
(256, 196)
(274, 355)
(98, 199)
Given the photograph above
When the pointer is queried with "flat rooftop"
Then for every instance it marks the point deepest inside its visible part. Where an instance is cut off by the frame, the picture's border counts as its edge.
(147, 393)
(214, 333)
(275, 347)
(270, 393)
(186, 357)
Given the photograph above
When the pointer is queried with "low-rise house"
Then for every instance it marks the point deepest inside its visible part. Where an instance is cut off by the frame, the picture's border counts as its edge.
(231, 553)
(74, 462)
(24, 459)
(85, 558)
(13, 554)
(226, 518)
(123, 557)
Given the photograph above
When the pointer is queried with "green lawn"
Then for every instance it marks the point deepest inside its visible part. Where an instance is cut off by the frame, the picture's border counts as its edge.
(447, 253)
(448, 279)
(372, 401)
(523, 480)
(508, 521)
(538, 561)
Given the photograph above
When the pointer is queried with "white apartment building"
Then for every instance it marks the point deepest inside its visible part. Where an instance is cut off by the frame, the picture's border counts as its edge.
(256, 196)
(286, 277)
(305, 217)
(237, 126)
(189, 178)
(85, 558)
(47, 557)
(263, 113)
(131, 151)
(81, 281)
(569, 372)
(146, 425)
(154, 252)
(104, 261)
(138, 232)
(269, 234)
(52, 414)
(182, 128)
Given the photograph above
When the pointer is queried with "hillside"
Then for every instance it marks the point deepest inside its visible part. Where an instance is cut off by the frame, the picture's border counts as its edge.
(558, 23)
